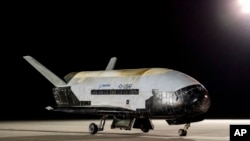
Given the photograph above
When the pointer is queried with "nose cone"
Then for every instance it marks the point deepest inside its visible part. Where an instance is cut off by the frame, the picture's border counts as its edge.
(205, 103)
(198, 100)
(200, 103)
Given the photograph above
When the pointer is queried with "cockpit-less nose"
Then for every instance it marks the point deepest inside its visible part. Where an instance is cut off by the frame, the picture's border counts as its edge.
(189, 102)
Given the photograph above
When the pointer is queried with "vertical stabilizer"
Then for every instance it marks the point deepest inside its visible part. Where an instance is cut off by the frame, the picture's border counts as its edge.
(111, 64)
(54, 79)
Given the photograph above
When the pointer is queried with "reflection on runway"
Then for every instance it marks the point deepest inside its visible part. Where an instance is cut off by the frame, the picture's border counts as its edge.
(75, 130)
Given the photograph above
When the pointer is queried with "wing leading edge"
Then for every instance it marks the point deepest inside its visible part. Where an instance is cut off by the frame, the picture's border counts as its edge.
(54, 79)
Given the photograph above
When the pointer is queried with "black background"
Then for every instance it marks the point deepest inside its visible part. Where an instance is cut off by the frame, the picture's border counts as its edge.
(206, 40)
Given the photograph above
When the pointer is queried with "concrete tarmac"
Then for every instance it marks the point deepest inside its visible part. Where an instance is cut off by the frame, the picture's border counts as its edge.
(77, 130)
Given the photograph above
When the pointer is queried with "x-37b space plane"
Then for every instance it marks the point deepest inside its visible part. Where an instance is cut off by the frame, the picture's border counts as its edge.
(131, 97)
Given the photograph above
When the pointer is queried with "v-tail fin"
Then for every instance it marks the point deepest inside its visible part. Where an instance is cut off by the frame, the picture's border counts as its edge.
(111, 64)
(54, 79)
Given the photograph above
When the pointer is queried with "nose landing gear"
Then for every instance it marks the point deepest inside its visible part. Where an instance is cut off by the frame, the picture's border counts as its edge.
(183, 132)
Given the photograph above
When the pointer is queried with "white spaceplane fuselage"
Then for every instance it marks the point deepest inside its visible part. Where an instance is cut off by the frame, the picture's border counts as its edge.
(138, 94)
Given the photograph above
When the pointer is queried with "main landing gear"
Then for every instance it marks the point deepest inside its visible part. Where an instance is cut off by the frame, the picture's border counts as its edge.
(183, 132)
(93, 128)
(123, 123)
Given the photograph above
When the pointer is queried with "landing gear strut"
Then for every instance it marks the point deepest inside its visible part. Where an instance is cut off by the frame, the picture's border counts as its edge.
(183, 132)
(93, 128)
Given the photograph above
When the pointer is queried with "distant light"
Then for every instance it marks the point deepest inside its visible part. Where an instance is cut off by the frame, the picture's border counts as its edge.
(245, 5)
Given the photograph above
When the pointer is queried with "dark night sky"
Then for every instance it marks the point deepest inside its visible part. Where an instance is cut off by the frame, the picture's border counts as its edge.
(206, 40)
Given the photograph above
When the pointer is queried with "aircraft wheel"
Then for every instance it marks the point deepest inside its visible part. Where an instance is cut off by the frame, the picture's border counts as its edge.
(145, 130)
(182, 132)
(93, 128)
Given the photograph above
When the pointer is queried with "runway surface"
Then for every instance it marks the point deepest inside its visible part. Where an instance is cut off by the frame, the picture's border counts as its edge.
(77, 130)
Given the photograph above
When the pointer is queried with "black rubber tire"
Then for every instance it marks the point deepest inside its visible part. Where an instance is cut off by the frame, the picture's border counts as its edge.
(93, 128)
(182, 132)
(145, 130)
